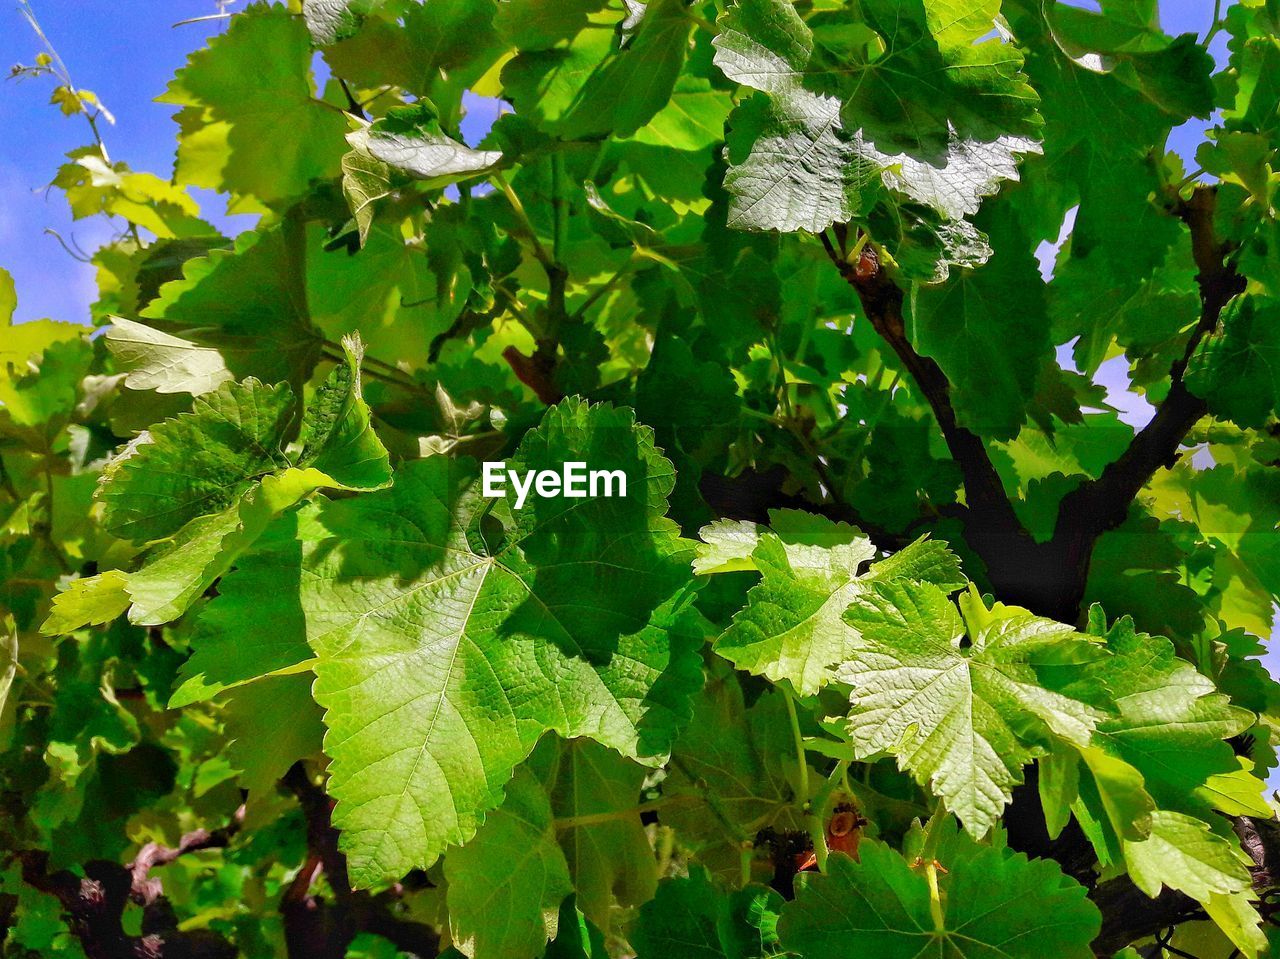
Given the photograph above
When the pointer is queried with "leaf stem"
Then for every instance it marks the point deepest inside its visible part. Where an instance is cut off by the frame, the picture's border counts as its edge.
(802, 776)
(812, 811)
(539, 251)
(595, 818)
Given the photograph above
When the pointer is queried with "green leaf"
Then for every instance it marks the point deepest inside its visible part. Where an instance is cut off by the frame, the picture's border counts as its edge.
(681, 921)
(1124, 38)
(793, 626)
(197, 463)
(271, 724)
(957, 323)
(732, 773)
(406, 144)
(963, 718)
(1183, 854)
(726, 546)
(337, 435)
(993, 903)
(937, 74)
(332, 20)
(1236, 370)
(1170, 723)
(541, 24)
(8, 658)
(242, 304)
(250, 123)
(596, 86)
(802, 160)
(183, 567)
(507, 883)
(451, 632)
(592, 789)
(89, 601)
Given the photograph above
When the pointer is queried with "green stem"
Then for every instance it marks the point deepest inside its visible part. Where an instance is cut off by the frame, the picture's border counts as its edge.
(592, 819)
(604, 288)
(376, 369)
(802, 775)
(559, 208)
(1216, 26)
(928, 857)
(539, 251)
(812, 812)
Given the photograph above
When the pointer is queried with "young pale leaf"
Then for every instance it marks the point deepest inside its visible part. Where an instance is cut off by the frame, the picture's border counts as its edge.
(90, 601)
(197, 463)
(962, 718)
(793, 627)
(406, 144)
(160, 361)
(992, 903)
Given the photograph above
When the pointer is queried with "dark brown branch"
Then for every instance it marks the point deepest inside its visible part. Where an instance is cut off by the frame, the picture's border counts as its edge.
(1102, 504)
(94, 905)
(992, 527)
(145, 890)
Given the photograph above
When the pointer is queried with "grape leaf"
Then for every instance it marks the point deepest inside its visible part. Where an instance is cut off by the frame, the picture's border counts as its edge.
(1237, 369)
(610, 858)
(729, 776)
(800, 159)
(1001, 301)
(450, 642)
(993, 903)
(407, 143)
(88, 601)
(1170, 722)
(936, 78)
(793, 627)
(337, 435)
(271, 724)
(962, 718)
(516, 911)
(594, 85)
(1183, 854)
(160, 361)
(691, 917)
(250, 123)
(240, 304)
(197, 463)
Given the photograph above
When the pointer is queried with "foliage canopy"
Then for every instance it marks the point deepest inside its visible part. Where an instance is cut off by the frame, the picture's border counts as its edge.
(901, 643)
